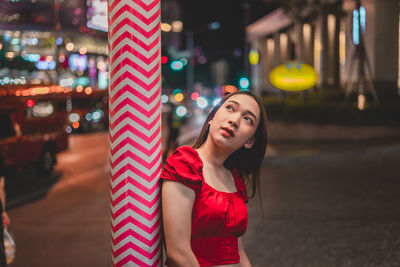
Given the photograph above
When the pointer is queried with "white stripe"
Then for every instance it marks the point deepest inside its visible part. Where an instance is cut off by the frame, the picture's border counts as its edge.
(134, 124)
(130, 213)
(129, 147)
(136, 60)
(139, 231)
(137, 242)
(135, 112)
(132, 31)
(136, 254)
(134, 163)
(136, 20)
(136, 100)
(135, 6)
(135, 46)
(129, 199)
(135, 73)
(129, 173)
(135, 86)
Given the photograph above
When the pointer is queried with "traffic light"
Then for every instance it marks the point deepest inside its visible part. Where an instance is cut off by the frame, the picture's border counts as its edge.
(244, 83)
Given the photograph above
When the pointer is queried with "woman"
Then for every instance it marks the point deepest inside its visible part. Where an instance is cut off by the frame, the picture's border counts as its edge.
(4, 221)
(203, 192)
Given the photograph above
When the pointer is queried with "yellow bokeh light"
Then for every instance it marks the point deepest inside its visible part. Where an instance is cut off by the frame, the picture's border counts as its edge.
(179, 97)
(69, 46)
(79, 88)
(88, 90)
(254, 57)
(293, 76)
(165, 27)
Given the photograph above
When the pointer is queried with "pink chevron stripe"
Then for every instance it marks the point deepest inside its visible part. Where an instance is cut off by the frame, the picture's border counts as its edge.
(130, 206)
(137, 197)
(141, 135)
(135, 119)
(133, 156)
(147, 8)
(135, 171)
(131, 258)
(130, 56)
(135, 222)
(136, 80)
(127, 8)
(133, 38)
(131, 103)
(146, 33)
(135, 92)
(133, 51)
(134, 65)
(136, 184)
(136, 145)
(132, 245)
(142, 239)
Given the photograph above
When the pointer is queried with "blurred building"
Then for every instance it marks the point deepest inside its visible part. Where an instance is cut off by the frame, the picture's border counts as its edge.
(54, 41)
(325, 39)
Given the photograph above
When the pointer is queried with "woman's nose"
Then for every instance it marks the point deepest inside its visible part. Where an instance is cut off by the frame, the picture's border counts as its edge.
(234, 121)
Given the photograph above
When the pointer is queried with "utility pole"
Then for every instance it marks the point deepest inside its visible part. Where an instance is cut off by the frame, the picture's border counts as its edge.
(246, 21)
(190, 66)
(362, 80)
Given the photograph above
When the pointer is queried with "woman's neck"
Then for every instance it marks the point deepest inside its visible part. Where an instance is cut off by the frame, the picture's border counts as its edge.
(212, 155)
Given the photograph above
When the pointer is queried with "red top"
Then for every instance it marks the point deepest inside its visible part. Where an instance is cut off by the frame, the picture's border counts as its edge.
(218, 218)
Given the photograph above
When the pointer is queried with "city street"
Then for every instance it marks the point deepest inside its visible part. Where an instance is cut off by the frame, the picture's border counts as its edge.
(331, 207)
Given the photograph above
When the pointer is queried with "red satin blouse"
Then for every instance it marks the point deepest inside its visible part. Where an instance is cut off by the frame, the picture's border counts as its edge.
(218, 218)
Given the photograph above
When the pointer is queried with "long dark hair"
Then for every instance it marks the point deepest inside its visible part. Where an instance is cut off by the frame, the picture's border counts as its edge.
(246, 161)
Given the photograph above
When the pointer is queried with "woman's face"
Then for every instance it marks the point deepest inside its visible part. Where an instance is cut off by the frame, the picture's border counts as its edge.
(235, 123)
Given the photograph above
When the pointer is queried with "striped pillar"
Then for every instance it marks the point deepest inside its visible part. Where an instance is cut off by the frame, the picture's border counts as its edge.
(135, 131)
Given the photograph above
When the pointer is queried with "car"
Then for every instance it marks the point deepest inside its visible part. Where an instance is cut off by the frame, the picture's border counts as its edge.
(33, 126)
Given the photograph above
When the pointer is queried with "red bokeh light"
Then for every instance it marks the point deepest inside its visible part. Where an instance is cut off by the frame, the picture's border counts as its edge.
(30, 103)
(164, 59)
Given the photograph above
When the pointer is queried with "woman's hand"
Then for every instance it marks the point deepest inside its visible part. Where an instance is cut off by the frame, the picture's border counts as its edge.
(177, 205)
(6, 219)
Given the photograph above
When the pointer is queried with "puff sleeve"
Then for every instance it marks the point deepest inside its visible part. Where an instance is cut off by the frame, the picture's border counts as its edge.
(184, 166)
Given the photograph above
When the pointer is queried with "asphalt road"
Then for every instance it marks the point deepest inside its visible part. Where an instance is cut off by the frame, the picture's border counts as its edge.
(323, 206)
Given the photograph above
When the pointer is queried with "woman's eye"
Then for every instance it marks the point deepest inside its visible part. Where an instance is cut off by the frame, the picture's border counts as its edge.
(229, 107)
(249, 120)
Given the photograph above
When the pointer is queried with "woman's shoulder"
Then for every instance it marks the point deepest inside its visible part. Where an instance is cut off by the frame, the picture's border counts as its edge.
(185, 166)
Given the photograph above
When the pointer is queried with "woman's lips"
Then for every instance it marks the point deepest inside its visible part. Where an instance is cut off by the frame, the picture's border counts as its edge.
(229, 131)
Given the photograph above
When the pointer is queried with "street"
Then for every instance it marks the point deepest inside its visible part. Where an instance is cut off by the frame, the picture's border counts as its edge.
(328, 207)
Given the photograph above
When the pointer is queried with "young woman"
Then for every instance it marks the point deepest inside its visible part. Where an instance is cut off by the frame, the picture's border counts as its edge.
(204, 191)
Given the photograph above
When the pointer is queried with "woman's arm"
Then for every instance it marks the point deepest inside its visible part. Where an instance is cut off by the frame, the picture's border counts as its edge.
(4, 215)
(244, 260)
(177, 205)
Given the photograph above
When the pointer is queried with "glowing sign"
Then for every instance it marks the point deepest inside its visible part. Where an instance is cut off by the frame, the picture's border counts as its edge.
(78, 62)
(359, 19)
(293, 76)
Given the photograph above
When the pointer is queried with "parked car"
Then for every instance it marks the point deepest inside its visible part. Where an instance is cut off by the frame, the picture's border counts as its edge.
(33, 126)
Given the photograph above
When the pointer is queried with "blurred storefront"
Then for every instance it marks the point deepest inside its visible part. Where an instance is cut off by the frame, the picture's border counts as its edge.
(58, 42)
(325, 39)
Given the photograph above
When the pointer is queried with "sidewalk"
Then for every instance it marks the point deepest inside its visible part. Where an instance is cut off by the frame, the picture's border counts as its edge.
(306, 141)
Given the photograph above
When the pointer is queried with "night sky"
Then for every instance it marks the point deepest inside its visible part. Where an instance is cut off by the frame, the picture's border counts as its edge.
(222, 43)
(229, 13)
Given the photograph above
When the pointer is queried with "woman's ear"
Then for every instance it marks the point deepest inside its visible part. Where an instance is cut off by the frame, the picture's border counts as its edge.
(249, 144)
